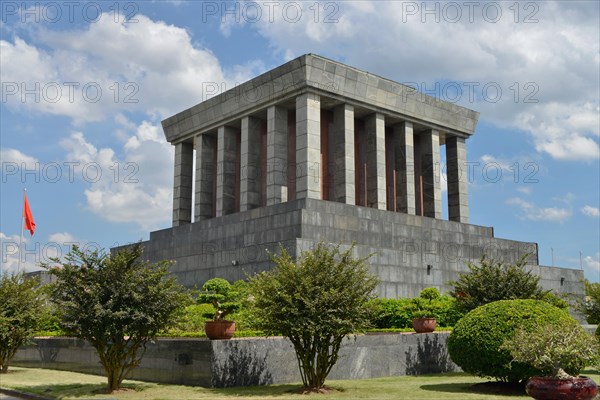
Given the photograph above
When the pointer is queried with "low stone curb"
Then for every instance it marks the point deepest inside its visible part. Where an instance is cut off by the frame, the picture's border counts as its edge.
(24, 395)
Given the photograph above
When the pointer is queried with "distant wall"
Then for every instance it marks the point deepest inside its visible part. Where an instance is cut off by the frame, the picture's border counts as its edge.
(251, 361)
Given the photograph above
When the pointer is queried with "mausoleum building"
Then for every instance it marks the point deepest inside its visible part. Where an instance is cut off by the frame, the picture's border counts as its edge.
(317, 150)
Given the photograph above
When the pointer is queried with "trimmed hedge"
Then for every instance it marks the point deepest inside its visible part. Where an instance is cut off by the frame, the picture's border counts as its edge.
(475, 342)
(398, 313)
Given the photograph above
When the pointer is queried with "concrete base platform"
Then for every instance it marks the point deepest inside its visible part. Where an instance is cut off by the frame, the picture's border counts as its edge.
(409, 252)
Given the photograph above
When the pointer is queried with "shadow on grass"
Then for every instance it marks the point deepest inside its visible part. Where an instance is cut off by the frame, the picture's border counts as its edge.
(271, 391)
(60, 391)
(489, 388)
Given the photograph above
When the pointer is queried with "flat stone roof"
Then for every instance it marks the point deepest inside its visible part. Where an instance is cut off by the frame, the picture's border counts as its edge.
(337, 83)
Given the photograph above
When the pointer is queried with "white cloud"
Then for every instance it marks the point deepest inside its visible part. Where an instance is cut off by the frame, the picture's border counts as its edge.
(63, 238)
(36, 252)
(565, 131)
(525, 190)
(21, 160)
(444, 182)
(488, 159)
(591, 211)
(148, 66)
(547, 71)
(532, 212)
(135, 188)
(566, 198)
(591, 265)
(9, 253)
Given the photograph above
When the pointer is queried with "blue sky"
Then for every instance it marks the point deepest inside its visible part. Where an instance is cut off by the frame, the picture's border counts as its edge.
(86, 84)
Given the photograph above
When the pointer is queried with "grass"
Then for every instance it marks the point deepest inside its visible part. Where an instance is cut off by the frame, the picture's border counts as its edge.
(71, 385)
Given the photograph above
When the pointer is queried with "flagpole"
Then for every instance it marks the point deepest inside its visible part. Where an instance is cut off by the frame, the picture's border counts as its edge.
(21, 239)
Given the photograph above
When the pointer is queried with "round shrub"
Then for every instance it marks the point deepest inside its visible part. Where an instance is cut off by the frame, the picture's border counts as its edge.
(475, 342)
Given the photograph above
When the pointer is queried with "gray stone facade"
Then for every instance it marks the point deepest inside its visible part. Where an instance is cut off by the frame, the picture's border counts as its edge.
(403, 246)
(316, 150)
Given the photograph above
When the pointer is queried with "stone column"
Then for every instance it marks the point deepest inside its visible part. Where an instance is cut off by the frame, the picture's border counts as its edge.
(182, 183)
(343, 136)
(430, 167)
(226, 155)
(456, 162)
(404, 165)
(250, 163)
(205, 177)
(308, 146)
(375, 151)
(277, 142)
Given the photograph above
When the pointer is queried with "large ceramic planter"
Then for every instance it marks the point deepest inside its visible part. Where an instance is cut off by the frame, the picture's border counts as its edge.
(542, 388)
(219, 329)
(423, 325)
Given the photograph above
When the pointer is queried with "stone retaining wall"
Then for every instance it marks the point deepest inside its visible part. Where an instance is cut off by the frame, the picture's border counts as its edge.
(250, 361)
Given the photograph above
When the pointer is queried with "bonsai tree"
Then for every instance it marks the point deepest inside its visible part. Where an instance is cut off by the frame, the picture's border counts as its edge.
(557, 350)
(315, 302)
(117, 302)
(21, 306)
(222, 296)
(425, 305)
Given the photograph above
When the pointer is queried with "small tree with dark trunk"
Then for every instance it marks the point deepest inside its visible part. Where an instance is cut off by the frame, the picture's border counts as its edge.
(492, 280)
(21, 306)
(315, 302)
(116, 302)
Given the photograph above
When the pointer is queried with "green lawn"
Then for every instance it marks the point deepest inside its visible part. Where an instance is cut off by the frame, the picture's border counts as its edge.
(70, 385)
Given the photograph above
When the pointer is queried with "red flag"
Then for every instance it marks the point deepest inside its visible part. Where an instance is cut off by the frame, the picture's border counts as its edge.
(29, 222)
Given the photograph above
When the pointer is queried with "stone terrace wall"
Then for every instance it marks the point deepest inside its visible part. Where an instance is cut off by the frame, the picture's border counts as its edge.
(251, 361)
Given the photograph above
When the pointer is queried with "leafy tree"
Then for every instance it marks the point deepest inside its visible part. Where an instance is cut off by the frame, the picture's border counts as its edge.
(492, 280)
(21, 306)
(116, 302)
(590, 305)
(315, 302)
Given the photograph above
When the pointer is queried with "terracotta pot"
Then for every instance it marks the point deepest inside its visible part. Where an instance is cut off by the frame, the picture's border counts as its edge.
(544, 388)
(219, 329)
(423, 325)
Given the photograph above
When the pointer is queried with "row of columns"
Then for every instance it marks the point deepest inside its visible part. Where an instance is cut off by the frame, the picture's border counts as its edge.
(414, 156)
